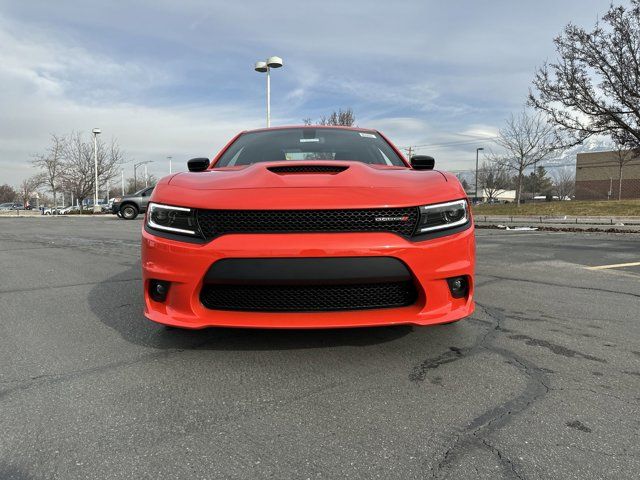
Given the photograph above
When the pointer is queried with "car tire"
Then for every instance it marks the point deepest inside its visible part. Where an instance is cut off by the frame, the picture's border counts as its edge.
(129, 211)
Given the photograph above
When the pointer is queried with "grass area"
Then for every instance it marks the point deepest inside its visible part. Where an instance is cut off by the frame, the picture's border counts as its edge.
(623, 208)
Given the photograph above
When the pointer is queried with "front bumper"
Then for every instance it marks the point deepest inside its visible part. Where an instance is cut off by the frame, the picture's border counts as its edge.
(430, 262)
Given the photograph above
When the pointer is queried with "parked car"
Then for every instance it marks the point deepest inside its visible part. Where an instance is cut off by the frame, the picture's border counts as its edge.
(20, 206)
(308, 227)
(6, 206)
(53, 210)
(67, 210)
(129, 206)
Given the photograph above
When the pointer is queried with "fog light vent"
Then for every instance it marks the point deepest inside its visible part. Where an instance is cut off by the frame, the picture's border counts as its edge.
(158, 290)
(459, 286)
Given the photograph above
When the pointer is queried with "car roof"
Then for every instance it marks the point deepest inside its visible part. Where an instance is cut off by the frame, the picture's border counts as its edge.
(313, 127)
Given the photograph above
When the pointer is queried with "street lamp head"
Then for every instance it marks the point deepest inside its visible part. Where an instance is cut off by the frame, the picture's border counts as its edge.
(96, 131)
(480, 148)
(274, 62)
(261, 67)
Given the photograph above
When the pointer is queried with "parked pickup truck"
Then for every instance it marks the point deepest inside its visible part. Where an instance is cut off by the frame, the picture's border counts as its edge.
(129, 206)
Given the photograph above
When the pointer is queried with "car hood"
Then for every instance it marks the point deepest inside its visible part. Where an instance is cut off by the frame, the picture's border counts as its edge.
(313, 185)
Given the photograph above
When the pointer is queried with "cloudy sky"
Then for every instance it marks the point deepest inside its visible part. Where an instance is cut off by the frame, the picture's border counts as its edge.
(176, 77)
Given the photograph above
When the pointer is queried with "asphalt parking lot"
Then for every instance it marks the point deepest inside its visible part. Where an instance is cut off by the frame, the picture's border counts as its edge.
(542, 382)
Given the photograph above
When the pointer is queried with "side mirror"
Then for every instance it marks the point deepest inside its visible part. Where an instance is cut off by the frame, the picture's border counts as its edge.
(422, 162)
(198, 164)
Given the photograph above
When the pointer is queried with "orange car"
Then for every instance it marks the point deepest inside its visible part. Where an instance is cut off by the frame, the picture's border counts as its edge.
(308, 227)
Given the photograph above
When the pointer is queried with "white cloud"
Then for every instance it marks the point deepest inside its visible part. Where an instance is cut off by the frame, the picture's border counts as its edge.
(175, 78)
(42, 94)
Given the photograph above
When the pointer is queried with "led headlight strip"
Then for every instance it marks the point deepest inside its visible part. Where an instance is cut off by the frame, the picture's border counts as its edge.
(441, 216)
(172, 219)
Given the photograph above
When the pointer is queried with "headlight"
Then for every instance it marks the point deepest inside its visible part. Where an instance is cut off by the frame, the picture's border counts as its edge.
(443, 215)
(167, 218)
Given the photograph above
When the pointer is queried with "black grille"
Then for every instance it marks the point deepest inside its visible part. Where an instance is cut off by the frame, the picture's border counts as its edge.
(308, 169)
(307, 298)
(396, 220)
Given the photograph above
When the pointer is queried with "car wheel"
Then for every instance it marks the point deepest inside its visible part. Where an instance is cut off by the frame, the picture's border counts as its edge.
(129, 212)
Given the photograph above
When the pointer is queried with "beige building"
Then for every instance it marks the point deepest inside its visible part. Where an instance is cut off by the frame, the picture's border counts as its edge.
(597, 177)
(501, 195)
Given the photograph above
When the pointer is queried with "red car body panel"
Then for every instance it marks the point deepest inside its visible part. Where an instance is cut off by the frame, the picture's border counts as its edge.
(254, 187)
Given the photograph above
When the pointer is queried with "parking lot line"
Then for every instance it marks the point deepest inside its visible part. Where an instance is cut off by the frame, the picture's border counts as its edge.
(615, 265)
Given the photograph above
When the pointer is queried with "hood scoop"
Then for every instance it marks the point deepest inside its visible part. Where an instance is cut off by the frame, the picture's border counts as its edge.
(294, 169)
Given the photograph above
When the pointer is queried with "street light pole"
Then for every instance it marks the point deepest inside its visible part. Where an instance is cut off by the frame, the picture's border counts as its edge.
(535, 167)
(135, 178)
(477, 152)
(268, 97)
(96, 132)
(170, 169)
(122, 180)
(265, 67)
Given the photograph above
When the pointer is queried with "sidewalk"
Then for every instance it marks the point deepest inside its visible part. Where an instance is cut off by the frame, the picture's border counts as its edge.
(20, 213)
(565, 222)
(37, 214)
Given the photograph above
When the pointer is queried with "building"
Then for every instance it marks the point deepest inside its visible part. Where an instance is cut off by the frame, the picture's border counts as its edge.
(598, 177)
(499, 195)
(502, 196)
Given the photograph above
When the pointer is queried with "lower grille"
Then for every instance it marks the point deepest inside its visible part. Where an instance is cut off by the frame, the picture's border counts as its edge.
(308, 298)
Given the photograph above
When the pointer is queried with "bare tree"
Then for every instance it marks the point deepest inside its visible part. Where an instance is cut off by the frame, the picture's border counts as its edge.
(564, 183)
(493, 178)
(525, 140)
(623, 156)
(51, 164)
(78, 171)
(78, 174)
(133, 186)
(592, 88)
(462, 177)
(7, 193)
(29, 186)
(345, 118)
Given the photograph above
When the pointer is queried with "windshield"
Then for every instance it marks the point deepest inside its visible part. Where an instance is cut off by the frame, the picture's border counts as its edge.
(140, 193)
(298, 144)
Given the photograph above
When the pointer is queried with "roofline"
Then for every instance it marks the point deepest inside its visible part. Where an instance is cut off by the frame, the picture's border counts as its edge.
(334, 127)
(400, 155)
